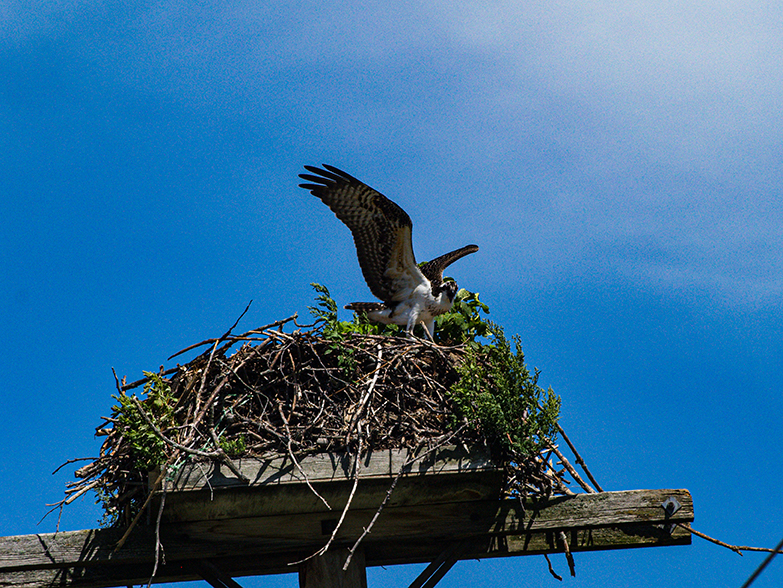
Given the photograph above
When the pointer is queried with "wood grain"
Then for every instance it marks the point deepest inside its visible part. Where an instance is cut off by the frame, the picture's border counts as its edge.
(404, 534)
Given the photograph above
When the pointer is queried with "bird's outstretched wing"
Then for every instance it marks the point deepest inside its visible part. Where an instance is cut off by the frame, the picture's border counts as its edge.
(433, 270)
(381, 231)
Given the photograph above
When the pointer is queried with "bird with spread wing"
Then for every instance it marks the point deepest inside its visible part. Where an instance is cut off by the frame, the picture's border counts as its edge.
(411, 294)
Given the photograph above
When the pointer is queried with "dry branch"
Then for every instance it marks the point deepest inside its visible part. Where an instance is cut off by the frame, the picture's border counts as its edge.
(738, 549)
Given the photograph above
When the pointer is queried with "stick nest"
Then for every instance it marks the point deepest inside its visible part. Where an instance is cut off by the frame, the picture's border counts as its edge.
(268, 393)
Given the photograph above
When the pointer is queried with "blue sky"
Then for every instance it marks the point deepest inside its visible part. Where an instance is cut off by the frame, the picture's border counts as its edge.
(619, 165)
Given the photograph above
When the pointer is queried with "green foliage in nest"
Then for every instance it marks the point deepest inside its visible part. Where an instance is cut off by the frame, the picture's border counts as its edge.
(335, 330)
(148, 449)
(464, 323)
(496, 394)
(234, 447)
(111, 515)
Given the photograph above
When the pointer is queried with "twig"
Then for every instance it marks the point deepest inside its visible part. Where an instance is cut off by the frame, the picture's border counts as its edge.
(203, 383)
(366, 530)
(567, 550)
(225, 457)
(241, 337)
(309, 326)
(80, 492)
(209, 362)
(70, 461)
(116, 381)
(550, 473)
(84, 489)
(735, 548)
(158, 544)
(579, 459)
(145, 379)
(205, 475)
(585, 486)
(174, 444)
(296, 463)
(405, 465)
(552, 570)
(135, 520)
(325, 548)
(236, 322)
(366, 396)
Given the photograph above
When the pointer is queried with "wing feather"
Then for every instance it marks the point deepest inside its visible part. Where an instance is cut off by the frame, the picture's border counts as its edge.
(381, 230)
(433, 270)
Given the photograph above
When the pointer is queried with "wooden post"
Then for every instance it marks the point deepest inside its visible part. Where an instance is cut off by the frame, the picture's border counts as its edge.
(326, 571)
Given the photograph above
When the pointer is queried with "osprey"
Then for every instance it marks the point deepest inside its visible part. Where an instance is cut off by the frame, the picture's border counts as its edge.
(411, 294)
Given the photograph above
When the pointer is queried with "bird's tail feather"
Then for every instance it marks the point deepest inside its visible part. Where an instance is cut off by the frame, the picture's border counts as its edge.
(366, 306)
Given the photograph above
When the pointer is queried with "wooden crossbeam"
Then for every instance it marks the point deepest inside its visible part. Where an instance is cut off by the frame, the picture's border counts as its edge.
(403, 534)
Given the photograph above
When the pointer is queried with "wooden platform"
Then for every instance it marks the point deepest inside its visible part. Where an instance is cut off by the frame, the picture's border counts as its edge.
(212, 520)
(211, 492)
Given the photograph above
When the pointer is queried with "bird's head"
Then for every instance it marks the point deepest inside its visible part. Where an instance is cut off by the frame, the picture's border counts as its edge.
(449, 287)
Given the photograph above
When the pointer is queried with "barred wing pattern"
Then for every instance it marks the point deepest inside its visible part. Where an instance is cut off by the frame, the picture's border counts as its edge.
(433, 270)
(381, 231)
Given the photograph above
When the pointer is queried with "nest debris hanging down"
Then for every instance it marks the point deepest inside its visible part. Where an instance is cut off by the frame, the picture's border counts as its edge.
(317, 389)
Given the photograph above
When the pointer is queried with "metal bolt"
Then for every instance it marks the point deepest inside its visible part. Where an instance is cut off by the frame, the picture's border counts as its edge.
(671, 505)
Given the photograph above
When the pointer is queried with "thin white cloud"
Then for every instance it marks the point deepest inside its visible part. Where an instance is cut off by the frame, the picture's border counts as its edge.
(691, 76)
(573, 126)
(665, 121)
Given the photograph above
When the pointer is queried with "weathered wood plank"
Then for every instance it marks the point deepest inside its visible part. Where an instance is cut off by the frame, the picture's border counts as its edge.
(446, 520)
(331, 467)
(203, 505)
(210, 491)
(389, 553)
(264, 545)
